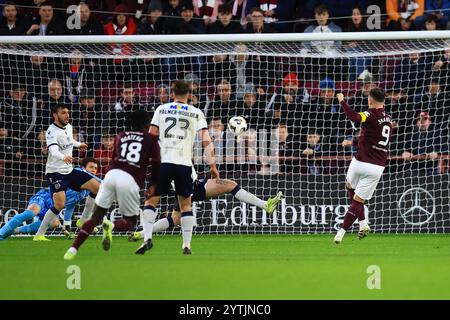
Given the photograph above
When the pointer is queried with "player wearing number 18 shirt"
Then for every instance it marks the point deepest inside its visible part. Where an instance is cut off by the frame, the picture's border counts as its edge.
(368, 164)
(124, 179)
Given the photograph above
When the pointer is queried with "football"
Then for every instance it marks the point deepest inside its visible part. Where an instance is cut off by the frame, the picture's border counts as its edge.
(237, 125)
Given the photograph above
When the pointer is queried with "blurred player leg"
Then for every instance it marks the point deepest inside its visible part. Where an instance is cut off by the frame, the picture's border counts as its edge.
(85, 231)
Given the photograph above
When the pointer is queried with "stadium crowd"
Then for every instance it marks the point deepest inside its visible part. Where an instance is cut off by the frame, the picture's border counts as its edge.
(293, 96)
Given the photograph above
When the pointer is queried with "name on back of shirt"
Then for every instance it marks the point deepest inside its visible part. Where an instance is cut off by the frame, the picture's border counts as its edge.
(133, 137)
(180, 112)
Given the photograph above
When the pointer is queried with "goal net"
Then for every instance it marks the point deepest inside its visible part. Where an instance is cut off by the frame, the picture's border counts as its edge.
(298, 139)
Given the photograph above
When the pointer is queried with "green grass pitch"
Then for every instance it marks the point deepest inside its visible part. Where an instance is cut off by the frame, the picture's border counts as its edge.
(231, 267)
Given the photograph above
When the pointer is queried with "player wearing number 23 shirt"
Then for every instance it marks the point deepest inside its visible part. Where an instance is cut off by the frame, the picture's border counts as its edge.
(367, 166)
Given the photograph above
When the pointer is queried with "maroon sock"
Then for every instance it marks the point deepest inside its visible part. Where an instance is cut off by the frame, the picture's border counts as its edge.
(351, 194)
(123, 225)
(87, 228)
(348, 220)
(356, 211)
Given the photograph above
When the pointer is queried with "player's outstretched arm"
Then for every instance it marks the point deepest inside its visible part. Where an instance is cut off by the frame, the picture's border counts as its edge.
(351, 114)
(209, 153)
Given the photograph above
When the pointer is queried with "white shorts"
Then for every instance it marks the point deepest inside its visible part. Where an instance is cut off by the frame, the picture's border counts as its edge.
(121, 186)
(364, 178)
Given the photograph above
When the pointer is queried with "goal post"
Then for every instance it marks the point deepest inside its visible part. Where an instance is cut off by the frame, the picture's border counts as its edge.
(298, 139)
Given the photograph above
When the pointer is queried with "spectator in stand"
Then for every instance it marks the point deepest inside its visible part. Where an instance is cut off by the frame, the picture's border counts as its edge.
(149, 69)
(12, 25)
(224, 25)
(225, 101)
(198, 96)
(437, 8)
(402, 14)
(127, 102)
(153, 23)
(36, 73)
(356, 23)
(431, 23)
(257, 24)
(104, 152)
(17, 115)
(410, 74)
(250, 108)
(287, 105)
(425, 140)
(312, 147)
(242, 68)
(51, 100)
(172, 13)
(122, 24)
(288, 146)
(78, 75)
(359, 100)
(436, 102)
(323, 25)
(401, 109)
(441, 67)
(88, 24)
(87, 117)
(322, 16)
(277, 12)
(325, 115)
(47, 24)
(162, 96)
(189, 23)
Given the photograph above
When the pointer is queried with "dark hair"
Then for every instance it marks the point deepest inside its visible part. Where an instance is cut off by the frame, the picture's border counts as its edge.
(9, 3)
(313, 131)
(85, 161)
(138, 120)
(59, 107)
(377, 94)
(225, 8)
(321, 8)
(432, 18)
(257, 9)
(181, 88)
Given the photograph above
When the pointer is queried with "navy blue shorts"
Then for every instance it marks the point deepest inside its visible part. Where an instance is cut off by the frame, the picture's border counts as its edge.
(74, 180)
(199, 193)
(181, 175)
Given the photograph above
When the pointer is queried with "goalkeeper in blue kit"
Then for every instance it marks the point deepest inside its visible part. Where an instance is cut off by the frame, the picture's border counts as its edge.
(42, 201)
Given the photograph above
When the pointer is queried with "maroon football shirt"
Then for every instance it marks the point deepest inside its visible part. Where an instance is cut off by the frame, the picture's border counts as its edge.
(132, 153)
(373, 141)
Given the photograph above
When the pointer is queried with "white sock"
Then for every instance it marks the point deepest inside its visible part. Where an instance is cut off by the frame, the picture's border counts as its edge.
(362, 223)
(187, 225)
(48, 218)
(341, 232)
(161, 225)
(72, 250)
(67, 223)
(88, 209)
(250, 198)
(148, 219)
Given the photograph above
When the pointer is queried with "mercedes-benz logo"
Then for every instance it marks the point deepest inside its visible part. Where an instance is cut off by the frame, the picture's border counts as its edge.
(417, 206)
